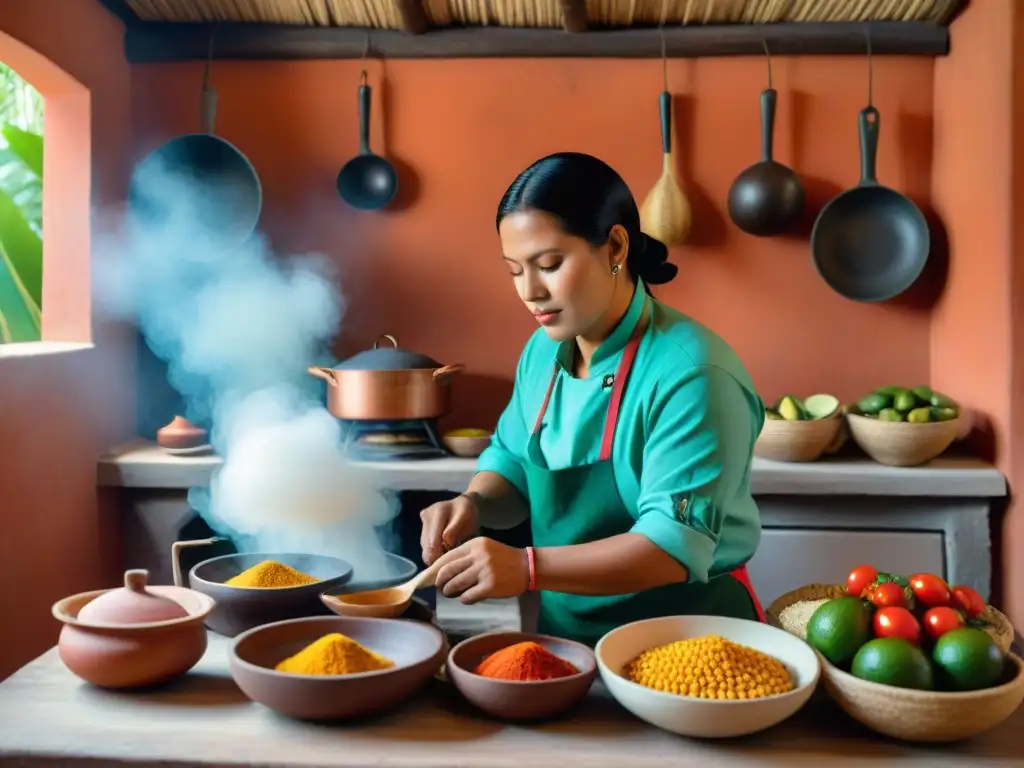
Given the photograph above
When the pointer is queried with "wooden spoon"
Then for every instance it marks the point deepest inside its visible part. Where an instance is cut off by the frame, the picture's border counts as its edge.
(665, 214)
(384, 603)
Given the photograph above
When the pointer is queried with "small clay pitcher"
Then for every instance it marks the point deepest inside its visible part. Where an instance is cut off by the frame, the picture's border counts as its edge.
(180, 434)
(134, 635)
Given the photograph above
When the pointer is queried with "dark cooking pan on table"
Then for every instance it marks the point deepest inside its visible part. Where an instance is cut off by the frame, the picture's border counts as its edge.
(388, 383)
(871, 242)
(203, 173)
(241, 608)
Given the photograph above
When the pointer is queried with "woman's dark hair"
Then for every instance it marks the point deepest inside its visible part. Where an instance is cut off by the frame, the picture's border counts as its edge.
(587, 198)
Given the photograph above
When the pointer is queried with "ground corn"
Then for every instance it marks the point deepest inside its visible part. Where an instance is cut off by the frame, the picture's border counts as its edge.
(710, 667)
(270, 574)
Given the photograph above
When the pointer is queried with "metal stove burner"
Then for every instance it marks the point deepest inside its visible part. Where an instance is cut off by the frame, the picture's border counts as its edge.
(392, 440)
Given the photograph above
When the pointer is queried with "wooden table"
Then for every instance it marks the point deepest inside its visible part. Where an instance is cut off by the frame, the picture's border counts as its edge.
(49, 717)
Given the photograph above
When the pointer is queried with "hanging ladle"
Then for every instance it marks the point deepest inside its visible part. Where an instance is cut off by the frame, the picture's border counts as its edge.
(367, 181)
(384, 603)
(767, 198)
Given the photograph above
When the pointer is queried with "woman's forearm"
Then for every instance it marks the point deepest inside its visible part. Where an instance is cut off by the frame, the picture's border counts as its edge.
(629, 562)
(499, 503)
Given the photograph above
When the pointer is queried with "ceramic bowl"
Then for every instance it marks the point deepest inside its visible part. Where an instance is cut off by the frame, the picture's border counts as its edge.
(133, 655)
(417, 648)
(514, 700)
(466, 447)
(239, 608)
(706, 718)
(934, 716)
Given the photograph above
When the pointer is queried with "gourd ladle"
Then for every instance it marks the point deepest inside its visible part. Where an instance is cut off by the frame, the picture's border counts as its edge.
(384, 603)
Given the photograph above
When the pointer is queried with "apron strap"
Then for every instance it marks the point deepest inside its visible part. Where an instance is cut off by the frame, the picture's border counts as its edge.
(547, 399)
(741, 575)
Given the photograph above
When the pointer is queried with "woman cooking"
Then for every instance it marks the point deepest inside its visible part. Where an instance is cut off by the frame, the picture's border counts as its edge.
(629, 436)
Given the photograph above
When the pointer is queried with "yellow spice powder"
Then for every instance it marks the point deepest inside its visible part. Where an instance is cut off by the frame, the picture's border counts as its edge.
(268, 574)
(334, 654)
(710, 667)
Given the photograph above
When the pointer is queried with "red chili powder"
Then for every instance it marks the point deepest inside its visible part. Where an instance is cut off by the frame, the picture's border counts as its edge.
(527, 661)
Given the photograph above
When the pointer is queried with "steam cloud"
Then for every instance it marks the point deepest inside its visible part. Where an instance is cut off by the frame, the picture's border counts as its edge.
(238, 326)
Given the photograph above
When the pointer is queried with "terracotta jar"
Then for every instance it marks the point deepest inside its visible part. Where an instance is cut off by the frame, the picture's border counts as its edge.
(180, 434)
(134, 635)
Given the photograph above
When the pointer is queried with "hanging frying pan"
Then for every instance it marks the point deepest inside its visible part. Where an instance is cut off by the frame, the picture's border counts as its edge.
(870, 243)
(767, 198)
(199, 176)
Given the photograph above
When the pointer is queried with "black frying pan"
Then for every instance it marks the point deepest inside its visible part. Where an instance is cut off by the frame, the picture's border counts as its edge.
(199, 176)
(871, 242)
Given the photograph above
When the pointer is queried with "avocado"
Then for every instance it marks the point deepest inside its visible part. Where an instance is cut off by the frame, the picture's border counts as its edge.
(924, 394)
(890, 414)
(940, 400)
(873, 403)
(890, 391)
(920, 415)
(772, 415)
(791, 409)
(944, 414)
(821, 406)
(905, 401)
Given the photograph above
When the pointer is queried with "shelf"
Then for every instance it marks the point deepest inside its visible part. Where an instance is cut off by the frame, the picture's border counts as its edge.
(148, 42)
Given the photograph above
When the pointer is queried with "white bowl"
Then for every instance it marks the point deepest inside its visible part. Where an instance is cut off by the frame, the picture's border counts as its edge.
(706, 718)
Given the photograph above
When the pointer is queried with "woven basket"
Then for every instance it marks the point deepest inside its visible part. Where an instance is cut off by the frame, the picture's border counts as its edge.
(908, 714)
(797, 440)
(999, 627)
(899, 443)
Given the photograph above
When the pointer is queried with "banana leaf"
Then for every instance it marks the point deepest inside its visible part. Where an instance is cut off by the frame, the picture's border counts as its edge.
(20, 316)
(27, 146)
(23, 251)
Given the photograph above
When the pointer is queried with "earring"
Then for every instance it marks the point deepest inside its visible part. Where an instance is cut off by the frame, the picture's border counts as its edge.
(615, 269)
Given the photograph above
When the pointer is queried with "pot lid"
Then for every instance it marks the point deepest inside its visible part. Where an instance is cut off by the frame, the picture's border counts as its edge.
(131, 604)
(386, 358)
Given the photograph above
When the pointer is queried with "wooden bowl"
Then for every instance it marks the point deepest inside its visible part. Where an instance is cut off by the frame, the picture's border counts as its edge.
(512, 699)
(706, 718)
(798, 440)
(242, 608)
(133, 655)
(900, 443)
(915, 715)
(467, 447)
(416, 647)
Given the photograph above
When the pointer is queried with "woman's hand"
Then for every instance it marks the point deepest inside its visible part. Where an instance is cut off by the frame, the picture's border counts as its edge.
(446, 525)
(482, 569)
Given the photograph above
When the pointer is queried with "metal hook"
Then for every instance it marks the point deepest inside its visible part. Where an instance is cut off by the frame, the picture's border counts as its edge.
(768, 54)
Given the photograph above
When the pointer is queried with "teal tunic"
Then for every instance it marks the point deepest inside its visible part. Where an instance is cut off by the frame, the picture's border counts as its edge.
(680, 461)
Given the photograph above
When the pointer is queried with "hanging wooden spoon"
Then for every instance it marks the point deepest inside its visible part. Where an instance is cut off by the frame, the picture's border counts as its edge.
(665, 214)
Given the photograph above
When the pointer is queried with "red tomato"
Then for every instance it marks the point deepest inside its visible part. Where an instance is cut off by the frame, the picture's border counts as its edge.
(968, 601)
(938, 621)
(897, 622)
(889, 595)
(860, 578)
(929, 589)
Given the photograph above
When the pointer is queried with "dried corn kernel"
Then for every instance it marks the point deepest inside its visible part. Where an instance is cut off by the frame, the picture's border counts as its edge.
(710, 667)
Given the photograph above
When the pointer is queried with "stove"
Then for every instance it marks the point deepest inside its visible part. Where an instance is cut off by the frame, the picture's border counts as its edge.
(392, 440)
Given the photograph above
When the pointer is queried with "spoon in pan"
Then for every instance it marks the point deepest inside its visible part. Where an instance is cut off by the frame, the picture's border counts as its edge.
(384, 603)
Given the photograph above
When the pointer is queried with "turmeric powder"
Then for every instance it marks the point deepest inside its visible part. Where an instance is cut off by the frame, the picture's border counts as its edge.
(334, 654)
(270, 574)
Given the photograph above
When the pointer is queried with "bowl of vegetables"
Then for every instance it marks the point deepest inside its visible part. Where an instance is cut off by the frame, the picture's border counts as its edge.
(910, 657)
(904, 426)
(798, 429)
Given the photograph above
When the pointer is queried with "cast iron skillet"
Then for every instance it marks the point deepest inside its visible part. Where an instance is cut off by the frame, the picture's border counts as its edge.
(871, 242)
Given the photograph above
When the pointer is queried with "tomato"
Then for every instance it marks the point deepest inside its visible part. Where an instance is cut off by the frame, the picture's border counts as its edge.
(940, 620)
(968, 601)
(889, 595)
(897, 622)
(929, 590)
(860, 579)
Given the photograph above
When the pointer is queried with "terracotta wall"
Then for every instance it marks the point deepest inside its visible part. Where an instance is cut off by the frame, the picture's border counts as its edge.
(430, 272)
(977, 331)
(58, 412)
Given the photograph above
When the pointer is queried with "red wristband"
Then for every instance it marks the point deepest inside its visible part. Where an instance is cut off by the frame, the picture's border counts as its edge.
(533, 569)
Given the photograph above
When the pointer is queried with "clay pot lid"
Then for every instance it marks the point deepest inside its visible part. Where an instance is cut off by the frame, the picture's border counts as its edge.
(131, 604)
(180, 425)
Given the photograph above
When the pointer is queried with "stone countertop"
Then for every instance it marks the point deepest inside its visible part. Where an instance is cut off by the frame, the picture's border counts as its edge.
(49, 717)
(146, 465)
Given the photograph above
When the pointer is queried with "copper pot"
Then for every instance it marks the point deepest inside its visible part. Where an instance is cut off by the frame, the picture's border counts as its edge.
(388, 384)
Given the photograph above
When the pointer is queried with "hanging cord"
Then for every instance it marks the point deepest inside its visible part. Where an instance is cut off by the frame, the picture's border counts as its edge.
(664, 55)
(870, 70)
(209, 59)
(768, 56)
(366, 54)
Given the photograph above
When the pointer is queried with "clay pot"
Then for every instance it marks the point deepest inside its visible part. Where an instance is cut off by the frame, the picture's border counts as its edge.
(180, 434)
(133, 636)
